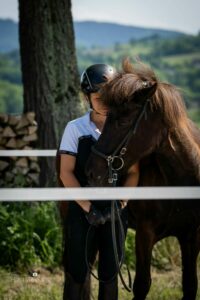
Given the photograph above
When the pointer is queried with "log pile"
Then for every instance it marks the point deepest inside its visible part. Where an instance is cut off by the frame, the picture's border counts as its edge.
(18, 132)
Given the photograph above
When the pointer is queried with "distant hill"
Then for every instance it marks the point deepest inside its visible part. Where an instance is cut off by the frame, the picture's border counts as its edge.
(88, 34)
(8, 35)
(106, 34)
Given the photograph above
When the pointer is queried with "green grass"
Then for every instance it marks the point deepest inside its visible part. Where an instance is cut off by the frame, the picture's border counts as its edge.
(49, 286)
(181, 59)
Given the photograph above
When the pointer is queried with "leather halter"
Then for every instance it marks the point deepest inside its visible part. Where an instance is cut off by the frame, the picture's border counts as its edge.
(121, 149)
(112, 179)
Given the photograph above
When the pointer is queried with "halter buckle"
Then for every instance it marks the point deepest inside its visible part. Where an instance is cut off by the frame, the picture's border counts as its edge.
(115, 177)
(110, 180)
(123, 151)
(110, 159)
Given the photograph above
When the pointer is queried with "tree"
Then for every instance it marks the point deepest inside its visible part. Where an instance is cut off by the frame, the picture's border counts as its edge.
(49, 71)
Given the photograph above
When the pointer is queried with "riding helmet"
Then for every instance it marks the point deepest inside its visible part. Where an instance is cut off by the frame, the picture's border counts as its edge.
(95, 75)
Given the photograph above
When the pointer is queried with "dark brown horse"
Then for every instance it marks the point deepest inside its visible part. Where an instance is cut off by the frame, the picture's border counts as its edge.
(148, 121)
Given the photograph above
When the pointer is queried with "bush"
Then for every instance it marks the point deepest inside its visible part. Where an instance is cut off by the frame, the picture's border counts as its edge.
(30, 235)
(165, 255)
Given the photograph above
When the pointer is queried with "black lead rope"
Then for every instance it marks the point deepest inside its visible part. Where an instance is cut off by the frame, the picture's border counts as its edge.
(114, 209)
(119, 262)
(89, 266)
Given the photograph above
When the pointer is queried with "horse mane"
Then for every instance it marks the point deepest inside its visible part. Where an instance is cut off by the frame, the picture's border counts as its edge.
(167, 99)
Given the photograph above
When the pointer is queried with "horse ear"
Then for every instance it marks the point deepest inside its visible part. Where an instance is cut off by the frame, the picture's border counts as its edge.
(146, 90)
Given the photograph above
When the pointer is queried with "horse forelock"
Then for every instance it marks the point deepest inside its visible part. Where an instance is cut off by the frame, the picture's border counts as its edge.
(124, 84)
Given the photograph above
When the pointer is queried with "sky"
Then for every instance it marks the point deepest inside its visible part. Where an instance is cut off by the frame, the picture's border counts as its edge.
(181, 15)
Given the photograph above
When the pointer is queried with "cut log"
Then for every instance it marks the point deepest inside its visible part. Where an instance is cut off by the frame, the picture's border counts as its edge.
(22, 131)
(23, 122)
(3, 118)
(24, 171)
(32, 129)
(8, 132)
(30, 138)
(9, 176)
(3, 140)
(14, 158)
(13, 120)
(3, 165)
(30, 117)
(21, 144)
(34, 178)
(22, 162)
(20, 170)
(34, 166)
(33, 158)
(34, 123)
(12, 143)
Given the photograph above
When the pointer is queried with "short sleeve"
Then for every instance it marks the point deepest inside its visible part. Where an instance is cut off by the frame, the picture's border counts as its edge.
(69, 141)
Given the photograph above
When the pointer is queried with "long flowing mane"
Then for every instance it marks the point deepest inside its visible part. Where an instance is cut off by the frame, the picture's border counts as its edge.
(166, 143)
(167, 99)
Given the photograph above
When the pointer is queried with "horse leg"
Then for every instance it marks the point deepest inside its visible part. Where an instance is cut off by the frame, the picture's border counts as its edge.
(108, 291)
(190, 246)
(144, 245)
(74, 290)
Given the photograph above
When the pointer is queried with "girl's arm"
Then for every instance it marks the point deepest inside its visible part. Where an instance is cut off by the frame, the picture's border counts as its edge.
(67, 166)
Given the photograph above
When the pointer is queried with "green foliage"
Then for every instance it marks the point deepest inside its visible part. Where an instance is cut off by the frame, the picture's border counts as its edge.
(10, 68)
(130, 249)
(195, 115)
(176, 61)
(29, 235)
(165, 256)
(180, 45)
(11, 100)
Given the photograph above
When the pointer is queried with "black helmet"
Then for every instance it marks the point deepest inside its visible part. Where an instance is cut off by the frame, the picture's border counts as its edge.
(94, 75)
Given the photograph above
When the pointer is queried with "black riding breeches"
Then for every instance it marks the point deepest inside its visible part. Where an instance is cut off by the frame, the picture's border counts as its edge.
(98, 239)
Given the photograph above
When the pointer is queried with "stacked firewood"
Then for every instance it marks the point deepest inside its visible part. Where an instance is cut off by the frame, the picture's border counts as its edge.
(18, 132)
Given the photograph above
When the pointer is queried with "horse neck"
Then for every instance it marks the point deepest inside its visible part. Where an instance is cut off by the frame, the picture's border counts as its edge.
(180, 156)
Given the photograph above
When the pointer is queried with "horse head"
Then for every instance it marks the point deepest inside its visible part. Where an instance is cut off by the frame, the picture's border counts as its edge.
(146, 116)
(128, 96)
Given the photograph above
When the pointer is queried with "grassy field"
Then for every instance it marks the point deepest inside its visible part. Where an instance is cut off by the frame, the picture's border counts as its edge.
(48, 286)
(181, 59)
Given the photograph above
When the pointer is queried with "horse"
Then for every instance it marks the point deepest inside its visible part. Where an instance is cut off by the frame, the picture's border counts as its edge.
(148, 122)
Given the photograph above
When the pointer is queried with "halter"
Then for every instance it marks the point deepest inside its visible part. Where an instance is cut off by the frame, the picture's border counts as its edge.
(112, 179)
(121, 149)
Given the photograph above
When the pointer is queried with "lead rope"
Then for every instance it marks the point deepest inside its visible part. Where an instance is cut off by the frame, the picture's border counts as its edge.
(89, 266)
(119, 263)
(114, 209)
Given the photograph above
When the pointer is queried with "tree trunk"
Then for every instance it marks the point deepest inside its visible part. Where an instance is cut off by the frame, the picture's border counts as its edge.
(49, 72)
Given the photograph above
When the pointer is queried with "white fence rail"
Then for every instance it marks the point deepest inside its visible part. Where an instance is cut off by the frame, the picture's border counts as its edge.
(58, 194)
(7, 153)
